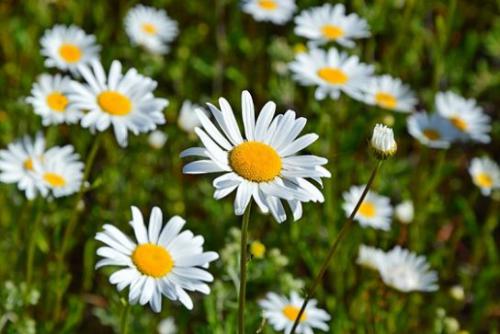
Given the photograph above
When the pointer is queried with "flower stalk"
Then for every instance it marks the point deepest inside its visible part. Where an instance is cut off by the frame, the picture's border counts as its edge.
(243, 270)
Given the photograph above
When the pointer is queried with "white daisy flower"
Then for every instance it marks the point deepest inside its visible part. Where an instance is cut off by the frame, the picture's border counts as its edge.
(406, 272)
(370, 257)
(59, 172)
(404, 212)
(167, 326)
(282, 312)
(276, 11)
(163, 261)
(465, 115)
(124, 101)
(431, 129)
(157, 139)
(331, 24)
(17, 163)
(375, 210)
(66, 47)
(50, 101)
(485, 174)
(389, 93)
(332, 71)
(188, 120)
(264, 164)
(151, 28)
(383, 142)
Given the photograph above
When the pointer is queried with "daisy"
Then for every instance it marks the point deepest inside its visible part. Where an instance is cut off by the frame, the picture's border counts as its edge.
(383, 142)
(389, 93)
(17, 163)
(375, 210)
(465, 115)
(124, 101)
(188, 120)
(406, 272)
(282, 312)
(370, 257)
(431, 130)
(264, 164)
(59, 172)
(157, 139)
(67, 47)
(330, 24)
(163, 262)
(404, 212)
(50, 101)
(485, 174)
(151, 28)
(275, 11)
(332, 71)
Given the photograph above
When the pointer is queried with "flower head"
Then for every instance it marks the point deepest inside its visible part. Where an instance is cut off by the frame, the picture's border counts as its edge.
(388, 93)
(275, 11)
(157, 139)
(404, 212)
(383, 142)
(162, 261)
(188, 119)
(485, 174)
(263, 166)
(370, 257)
(431, 130)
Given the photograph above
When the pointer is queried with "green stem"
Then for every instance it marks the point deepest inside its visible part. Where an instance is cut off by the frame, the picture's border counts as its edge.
(32, 240)
(124, 318)
(343, 231)
(243, 270)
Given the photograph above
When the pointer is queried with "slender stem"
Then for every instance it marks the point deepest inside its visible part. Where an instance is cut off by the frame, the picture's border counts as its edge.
(343, 231)
(32, 240)
(243, 270)
(124, 318)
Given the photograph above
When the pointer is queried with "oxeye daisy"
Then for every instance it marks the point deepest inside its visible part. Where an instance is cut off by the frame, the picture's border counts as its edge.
(50, 101)
(332, 71)
(389, 93)
(370, 257)
(382, 142)
(431, 129)
(17, 163)
(331, 24)
(465, 115)
(124, 101)
(188, 120)
(60, 172)
(66, 47)
(264, 164)
(406, 271)
(485, 174)
(162, 261)
(275, 11)
(151, 28)
(375, 210)
(281, 313)
(404, 212)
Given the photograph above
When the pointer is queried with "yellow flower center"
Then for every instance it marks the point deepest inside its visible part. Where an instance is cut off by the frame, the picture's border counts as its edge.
(55, 180)
(257, 249)
(333, 76)
(459, 123)
(484, 180)
(367, 209)
(291, 312)
(431, 134)
(152, 260)
(149, 28)
(268, 4)
(255, 161)
(70, 53)
(28, 164)
(114, 103)
(332, 32)
(386, 100)
(57, 101)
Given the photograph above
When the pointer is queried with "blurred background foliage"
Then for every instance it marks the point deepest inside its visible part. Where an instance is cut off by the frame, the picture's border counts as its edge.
(431, 45)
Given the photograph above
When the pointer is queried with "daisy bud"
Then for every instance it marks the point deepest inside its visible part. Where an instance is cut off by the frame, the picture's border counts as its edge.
(383, 142)
(157, 139)
(405, 212)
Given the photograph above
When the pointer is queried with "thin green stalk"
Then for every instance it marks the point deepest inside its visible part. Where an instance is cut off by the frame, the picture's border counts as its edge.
(32, 240)
(343, 231)
(124, 318)
(243, 270)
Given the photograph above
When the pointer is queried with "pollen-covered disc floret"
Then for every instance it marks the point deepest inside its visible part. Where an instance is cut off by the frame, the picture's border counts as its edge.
(275, 11)
(264, 164)
(382, 142)
(375, 211)
(49, 98)
(151, 28)
(468, 119)
(332, 72)
(388, 93)
(431, 130)
(330, 23)
(124, 101)
(485, 174)
(161, 261)
(67, 47)
(281, 313)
